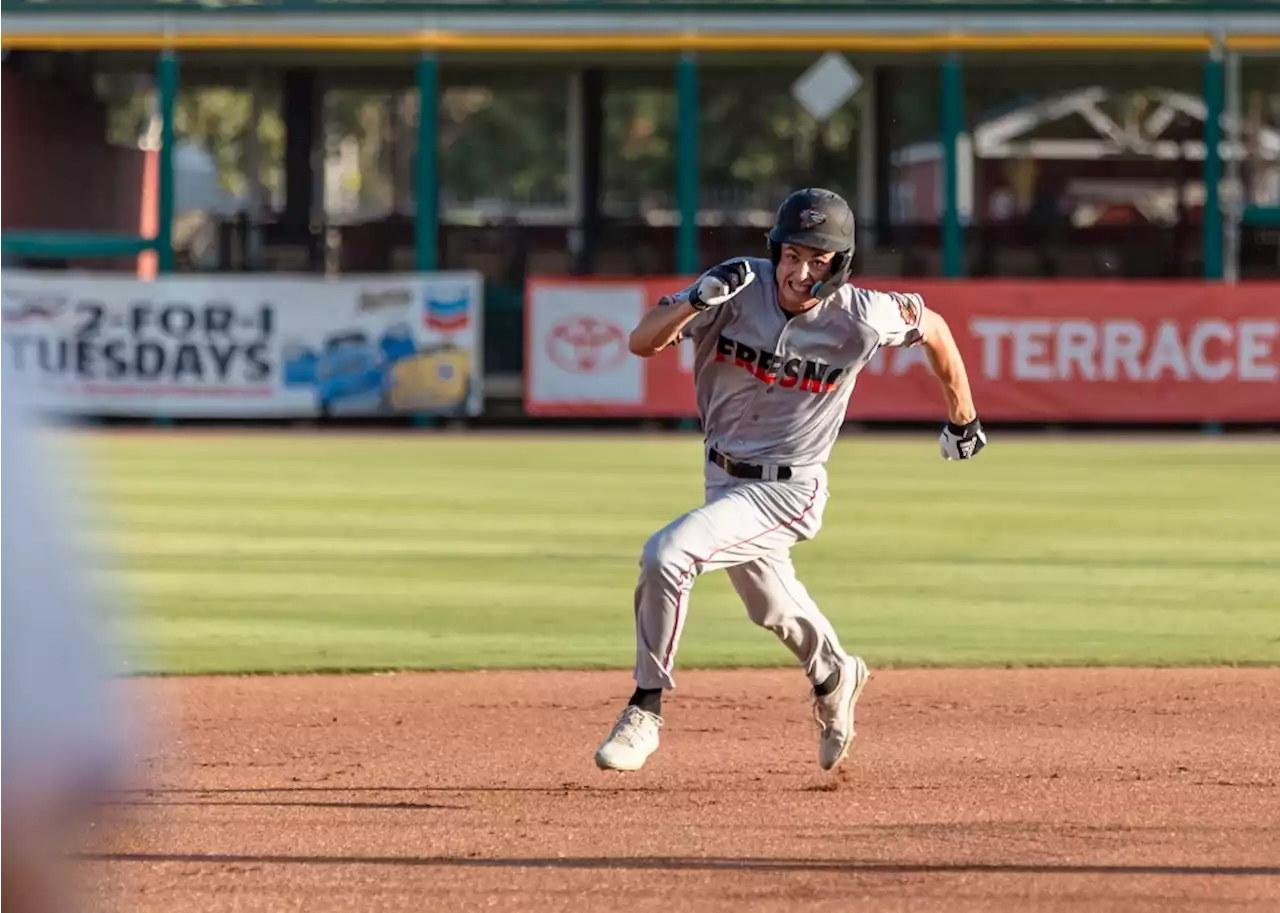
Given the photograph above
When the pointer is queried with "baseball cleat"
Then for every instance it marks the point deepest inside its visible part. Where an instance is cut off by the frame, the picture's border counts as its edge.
(633, 739)
(834, 713)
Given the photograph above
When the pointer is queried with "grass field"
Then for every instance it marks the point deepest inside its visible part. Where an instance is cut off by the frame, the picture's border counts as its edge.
(278, 552)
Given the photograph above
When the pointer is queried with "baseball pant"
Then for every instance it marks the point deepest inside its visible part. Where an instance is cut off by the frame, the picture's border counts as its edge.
(748, 529)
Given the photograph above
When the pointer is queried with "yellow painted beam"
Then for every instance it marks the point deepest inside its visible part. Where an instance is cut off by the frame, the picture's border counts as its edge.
(670, 42)
(1254, 43)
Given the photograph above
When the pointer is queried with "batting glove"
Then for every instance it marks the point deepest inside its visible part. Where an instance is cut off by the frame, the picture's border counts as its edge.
(962, 442)
(720, 283)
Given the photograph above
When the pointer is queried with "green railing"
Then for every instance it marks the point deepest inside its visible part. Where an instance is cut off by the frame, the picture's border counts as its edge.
(59, 245)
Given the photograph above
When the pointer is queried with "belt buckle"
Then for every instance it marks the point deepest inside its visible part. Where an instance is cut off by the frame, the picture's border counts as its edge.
(727, 463)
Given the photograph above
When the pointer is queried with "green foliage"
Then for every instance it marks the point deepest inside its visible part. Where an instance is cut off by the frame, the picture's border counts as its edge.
(216, 119)
(509, 145)
(219, 121)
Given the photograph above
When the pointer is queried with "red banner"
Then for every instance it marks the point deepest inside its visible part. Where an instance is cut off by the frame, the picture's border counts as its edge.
(1035, 351)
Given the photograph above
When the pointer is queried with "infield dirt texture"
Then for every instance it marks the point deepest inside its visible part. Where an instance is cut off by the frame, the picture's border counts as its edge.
(969, 787)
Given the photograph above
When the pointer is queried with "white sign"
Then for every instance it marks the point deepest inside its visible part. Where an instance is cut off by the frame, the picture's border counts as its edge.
(578, 343)
(246, 346)
(826, 85)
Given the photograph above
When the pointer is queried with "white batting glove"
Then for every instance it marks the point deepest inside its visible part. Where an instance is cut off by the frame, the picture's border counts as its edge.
(962, 442)
(720, 283)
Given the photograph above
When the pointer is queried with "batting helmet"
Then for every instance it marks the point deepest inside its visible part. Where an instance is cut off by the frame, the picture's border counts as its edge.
(820, 219)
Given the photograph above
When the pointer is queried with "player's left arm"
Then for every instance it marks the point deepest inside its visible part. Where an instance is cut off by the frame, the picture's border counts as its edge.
(948, 366)
(902, 319)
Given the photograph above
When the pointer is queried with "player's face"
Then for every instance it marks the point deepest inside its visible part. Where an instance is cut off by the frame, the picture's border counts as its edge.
(799, 268)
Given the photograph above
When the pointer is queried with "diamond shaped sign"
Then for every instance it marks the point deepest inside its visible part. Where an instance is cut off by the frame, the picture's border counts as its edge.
(826, 85)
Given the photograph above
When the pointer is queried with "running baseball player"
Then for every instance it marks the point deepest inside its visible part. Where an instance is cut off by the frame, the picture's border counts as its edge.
(778, 346)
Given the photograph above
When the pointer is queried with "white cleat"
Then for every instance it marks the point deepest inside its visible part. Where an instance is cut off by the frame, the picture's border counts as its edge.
(633, 739)
(834, 713)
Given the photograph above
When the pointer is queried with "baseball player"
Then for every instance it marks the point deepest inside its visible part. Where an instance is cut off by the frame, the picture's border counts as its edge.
(778, 345)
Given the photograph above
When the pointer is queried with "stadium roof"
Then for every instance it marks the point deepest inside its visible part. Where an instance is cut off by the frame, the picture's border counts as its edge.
(924, 6)
(656, 26)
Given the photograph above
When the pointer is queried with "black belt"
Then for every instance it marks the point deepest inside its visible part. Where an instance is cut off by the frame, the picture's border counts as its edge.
(746, 470)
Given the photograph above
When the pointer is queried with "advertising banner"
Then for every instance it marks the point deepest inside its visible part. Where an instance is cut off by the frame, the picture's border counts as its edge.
(1035, 351)
(247, 346)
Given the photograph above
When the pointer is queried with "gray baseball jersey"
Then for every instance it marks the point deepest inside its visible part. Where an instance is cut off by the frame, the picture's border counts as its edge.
(773, 388)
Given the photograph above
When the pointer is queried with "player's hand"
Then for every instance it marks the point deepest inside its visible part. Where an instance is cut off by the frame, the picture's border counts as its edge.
(962, 442)
(720, 284)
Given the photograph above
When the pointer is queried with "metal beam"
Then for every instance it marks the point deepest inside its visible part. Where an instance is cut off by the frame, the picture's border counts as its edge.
(952, 115)
(868, 179)
(1235, 208)
(715, 18)
(272, 8)
(1212, 217)
(426, 225)
(609, 27)
(167, 99)
(576, 40)
(688, 184)
(58, 244)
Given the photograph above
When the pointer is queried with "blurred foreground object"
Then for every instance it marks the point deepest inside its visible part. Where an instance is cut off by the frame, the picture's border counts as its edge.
(62, 734)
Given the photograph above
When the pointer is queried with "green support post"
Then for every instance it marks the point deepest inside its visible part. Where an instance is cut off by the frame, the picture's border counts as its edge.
(952, 126)
(167, 99)
(687, 177)
(1215, 103)
(427, 218)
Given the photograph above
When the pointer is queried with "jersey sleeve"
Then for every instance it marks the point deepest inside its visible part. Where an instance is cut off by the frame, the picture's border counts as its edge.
(897, 316)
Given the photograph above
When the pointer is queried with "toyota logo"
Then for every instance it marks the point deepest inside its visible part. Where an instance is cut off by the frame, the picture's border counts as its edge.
(585, 345)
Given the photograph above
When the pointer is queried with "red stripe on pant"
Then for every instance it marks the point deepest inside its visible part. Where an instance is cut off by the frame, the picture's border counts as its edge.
(688, 572)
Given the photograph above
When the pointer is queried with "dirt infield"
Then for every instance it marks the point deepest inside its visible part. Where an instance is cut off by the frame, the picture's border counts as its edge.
(1082, 790)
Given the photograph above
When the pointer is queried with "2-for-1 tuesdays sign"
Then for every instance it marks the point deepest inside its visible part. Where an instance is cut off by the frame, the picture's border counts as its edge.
(245, 346)
(123, 346)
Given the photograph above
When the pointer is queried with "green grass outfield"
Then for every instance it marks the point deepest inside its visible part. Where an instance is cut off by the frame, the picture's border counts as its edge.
(282, 552)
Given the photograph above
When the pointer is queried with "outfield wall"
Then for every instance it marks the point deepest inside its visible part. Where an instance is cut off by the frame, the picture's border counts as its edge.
(278, 347)
(1036, 351)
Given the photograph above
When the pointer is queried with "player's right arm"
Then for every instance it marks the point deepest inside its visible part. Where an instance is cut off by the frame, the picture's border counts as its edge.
(661, 326)
(688, 309)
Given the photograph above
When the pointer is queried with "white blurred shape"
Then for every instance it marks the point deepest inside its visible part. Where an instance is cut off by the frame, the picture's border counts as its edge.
(63, 738)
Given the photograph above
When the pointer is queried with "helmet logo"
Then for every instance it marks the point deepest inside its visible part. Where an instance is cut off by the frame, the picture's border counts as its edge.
(811, 218)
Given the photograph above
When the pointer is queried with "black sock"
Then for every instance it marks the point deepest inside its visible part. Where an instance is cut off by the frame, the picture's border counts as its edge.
(828, 685)
(648, 699)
